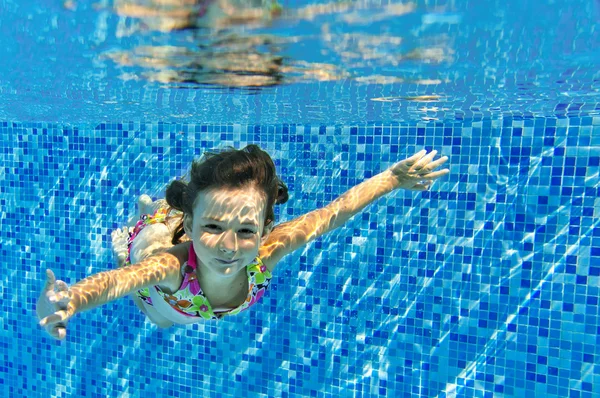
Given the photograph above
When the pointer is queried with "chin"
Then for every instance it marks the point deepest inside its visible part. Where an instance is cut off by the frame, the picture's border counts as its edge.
(228, 270)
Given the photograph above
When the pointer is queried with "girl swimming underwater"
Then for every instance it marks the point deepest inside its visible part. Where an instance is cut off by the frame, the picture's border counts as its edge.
(230, 247)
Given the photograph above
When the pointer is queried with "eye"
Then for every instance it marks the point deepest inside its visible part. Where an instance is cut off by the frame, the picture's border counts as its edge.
(247, 231)
(212, 227)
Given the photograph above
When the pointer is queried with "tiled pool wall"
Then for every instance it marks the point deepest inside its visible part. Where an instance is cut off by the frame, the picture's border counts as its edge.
(485, 286)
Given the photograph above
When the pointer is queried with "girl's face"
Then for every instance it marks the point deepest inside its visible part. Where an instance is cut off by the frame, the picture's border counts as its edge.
(226, 228)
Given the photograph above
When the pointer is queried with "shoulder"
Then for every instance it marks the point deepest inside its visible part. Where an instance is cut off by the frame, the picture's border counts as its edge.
(292, 235)
(181, 251)
(172, 281)
(284, 239)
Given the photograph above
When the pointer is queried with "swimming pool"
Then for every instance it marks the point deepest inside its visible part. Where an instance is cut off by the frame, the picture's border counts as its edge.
(486, 286)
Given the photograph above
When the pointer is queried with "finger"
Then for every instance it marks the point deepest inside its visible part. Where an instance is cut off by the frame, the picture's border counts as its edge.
(421, 187)
(414, 158)
(50, 280)
(436, 174)
(62, 286)
(428, 158)
(421, 163)
(62, 299)
(65, 300)
(59, 332)
(57, 317)
(62, 295)
(435, 164)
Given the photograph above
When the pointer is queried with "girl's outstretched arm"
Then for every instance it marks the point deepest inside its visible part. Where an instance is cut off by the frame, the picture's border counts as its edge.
(58, 302)
(416, 173)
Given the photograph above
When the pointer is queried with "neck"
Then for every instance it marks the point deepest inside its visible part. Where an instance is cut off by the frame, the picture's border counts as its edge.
(214, 281)
(224, 292)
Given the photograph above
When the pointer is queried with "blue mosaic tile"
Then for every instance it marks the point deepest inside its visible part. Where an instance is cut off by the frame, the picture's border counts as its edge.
(486, 285)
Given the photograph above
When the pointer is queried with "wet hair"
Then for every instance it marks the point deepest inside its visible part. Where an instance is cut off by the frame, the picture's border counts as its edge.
(231, 168)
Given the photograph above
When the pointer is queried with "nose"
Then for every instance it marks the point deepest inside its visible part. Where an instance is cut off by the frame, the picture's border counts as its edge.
(229, 244)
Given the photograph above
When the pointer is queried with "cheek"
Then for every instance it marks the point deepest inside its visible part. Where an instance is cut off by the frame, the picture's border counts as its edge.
(249, 244)
(209, 240)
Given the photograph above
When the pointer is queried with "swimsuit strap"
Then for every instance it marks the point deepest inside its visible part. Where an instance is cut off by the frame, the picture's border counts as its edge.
(190, 279)
(192, 257)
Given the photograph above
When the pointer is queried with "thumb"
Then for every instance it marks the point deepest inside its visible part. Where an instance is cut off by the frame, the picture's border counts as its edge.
(50, 280)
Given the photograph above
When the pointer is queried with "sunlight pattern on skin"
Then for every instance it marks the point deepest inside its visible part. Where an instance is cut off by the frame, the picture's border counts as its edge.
(414, 173)
(245, 205)
(228, 224)
(104, 287)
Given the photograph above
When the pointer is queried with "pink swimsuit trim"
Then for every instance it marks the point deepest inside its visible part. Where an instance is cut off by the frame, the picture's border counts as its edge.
(189, 300)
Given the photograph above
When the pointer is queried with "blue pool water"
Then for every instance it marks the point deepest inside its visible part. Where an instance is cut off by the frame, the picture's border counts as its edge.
(485, 286)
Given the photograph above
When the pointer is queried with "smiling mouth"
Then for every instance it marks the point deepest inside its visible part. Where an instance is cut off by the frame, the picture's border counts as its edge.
(228, 262)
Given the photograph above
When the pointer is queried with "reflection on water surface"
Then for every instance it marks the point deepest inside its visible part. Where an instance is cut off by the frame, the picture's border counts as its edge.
(256, 43)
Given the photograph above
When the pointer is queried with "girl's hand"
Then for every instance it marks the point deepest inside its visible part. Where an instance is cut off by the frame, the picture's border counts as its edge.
(53, 306)
(417, 172)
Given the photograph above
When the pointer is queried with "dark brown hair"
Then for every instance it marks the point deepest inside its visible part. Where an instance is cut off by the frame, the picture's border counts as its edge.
(229, 168)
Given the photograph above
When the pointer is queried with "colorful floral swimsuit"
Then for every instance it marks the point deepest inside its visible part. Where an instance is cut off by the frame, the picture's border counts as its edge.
(189, 300)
